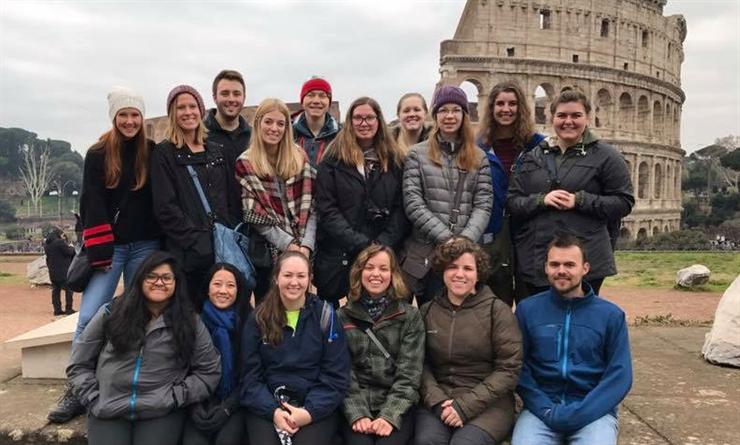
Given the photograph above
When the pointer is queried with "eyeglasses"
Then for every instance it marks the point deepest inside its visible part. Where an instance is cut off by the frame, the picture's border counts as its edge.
(452, 111)
(166, 278)
(369, 119)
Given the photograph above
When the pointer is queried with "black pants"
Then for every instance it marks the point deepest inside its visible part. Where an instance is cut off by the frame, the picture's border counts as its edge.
(262, 432)
(56, 297)
(430, 430)
(160, 431)
(397, 437)
(426, 288)
(232, 433)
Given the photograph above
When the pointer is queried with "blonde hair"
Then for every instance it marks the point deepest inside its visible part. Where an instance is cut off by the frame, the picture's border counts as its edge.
(470, 155)
(174, 133)
(397, 289)
(346, 149)
(401, 138)
(290, 157)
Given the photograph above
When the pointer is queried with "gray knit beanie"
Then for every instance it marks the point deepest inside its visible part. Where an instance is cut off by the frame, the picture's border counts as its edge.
(178, 90)
(120, 98)
(449, 94)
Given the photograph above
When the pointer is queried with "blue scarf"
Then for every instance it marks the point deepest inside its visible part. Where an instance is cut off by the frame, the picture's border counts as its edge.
(222, 324)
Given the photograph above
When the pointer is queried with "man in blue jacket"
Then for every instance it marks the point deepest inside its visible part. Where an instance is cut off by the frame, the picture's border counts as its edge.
(577, 364)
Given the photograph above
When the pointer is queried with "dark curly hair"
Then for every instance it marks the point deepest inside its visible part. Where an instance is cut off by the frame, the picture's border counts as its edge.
(448, 252)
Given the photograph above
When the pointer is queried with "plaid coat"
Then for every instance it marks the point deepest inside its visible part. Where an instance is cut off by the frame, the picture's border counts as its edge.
(256, 194)
(381, 387)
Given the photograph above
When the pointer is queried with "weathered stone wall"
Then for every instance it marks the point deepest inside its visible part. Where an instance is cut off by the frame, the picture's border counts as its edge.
(624, 54)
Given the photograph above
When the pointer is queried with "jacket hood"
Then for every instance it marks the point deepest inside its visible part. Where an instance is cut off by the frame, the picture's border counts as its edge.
(331, 127)
(213, 125)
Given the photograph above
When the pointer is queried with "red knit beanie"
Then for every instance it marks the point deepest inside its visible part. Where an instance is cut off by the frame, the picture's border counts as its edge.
(316, 83)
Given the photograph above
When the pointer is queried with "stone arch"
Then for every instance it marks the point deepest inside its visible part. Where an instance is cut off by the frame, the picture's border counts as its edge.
(643, 114)
(543, 95)
(643, 180)
(642, 234)
(658, 181)
(475, 92)
(625, 233)
(656, 230)
(666, 229)
(677, 181)
(657, 118)
(603, 108)
(626, 112)
(668, 121)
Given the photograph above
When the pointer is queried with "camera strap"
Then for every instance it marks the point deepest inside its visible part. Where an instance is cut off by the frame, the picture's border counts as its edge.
(552, 169)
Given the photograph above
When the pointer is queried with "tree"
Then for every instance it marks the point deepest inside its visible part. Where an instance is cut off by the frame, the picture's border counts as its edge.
(35, 172)
(7, 211)
(731, 160)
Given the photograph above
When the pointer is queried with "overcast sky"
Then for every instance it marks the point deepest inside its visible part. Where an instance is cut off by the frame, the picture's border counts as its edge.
(58, 59)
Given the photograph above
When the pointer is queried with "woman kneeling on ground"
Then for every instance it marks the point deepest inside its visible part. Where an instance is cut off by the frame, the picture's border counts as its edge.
(386, 341)
(295, 365)
(142, 358)
(219, 420)
(473, 355)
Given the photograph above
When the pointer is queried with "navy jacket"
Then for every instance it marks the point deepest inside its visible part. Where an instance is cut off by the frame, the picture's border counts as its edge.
(315, 146)
(312, 364)
(500, 181)
(577, 364)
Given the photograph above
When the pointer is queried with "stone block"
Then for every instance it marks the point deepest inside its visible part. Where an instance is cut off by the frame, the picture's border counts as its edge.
(37, 272)
(693, 276)
(722, 343)
(45, 350)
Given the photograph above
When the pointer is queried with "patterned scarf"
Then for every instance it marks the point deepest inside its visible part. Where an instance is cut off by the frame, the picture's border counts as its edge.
(222, 326)
(256, 194)
(375, 306)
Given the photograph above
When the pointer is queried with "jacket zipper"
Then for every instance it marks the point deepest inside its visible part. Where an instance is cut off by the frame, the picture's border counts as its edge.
(135, 382)
(564, 357)
(452, 335)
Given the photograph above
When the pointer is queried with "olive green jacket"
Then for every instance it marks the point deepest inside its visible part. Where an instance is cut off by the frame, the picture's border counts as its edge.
(380, 386)
(473, 356)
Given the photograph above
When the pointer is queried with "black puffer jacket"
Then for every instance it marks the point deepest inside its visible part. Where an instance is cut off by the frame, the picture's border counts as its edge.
(178, 207)
(353, 212)
(598, 175)
(59, 255)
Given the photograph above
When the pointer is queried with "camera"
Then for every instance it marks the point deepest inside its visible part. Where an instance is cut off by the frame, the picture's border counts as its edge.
(374, 214)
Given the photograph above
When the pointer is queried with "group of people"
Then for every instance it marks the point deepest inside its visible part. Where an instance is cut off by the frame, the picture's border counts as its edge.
(380, 216)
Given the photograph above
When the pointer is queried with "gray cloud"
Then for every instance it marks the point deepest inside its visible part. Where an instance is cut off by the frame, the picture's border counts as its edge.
(58, 60)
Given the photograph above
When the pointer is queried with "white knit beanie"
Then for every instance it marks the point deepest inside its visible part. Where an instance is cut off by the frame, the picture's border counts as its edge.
(120, 98)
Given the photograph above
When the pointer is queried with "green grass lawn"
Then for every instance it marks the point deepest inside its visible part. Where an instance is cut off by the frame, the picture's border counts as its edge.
(657, 270)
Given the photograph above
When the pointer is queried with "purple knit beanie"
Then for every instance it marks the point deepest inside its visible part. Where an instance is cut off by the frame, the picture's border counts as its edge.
(449, 94)
(190, 90)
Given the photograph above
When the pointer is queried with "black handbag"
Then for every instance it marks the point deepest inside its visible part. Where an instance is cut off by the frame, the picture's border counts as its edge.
(79, 272)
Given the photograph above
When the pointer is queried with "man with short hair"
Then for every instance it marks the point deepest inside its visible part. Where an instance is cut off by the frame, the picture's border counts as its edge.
(577, 364)
(315, 127)
(225, 124)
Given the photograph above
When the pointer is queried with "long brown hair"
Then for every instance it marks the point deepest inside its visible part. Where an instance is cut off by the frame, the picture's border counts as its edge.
(174, 133)
(397, 288)
(270, 314)
(111, 143)
(523, 124)
(346, 149)
(469, 156)
(290, 158)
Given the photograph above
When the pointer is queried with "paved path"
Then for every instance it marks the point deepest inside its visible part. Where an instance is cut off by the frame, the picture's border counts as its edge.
(677, 398)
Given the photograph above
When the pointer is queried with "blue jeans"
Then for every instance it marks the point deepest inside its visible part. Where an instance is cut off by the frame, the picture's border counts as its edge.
(530, 430)
(102, 285)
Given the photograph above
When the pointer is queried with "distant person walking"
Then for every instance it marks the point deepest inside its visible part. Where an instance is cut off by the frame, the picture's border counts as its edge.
(119, 228)
(59, 254)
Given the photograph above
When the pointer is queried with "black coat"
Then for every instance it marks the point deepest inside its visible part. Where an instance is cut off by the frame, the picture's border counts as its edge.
(599, 177)
(233, 143)
(353, 213)
(178, 207)
(58, 256)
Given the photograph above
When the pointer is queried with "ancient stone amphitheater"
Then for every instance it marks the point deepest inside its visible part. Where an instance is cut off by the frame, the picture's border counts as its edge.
(623, 53)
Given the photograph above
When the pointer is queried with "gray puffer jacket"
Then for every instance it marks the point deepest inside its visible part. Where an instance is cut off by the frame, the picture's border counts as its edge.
(143, 384)
(428, 198)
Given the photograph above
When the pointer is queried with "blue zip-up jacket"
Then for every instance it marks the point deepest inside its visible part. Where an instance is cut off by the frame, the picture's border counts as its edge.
(577, 364)
(312, 364)
(500, 181)
(315, 147)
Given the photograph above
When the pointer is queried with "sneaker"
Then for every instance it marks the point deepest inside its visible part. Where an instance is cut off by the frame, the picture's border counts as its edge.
(67, 409)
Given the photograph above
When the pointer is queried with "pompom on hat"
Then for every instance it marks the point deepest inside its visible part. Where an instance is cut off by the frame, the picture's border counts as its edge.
(315, 83)
(178, 90)
(449, 94)
(122, 97)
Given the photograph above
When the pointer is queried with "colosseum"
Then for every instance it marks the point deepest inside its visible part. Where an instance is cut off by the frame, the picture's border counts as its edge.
(623, 53)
